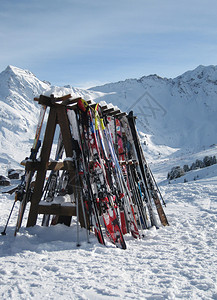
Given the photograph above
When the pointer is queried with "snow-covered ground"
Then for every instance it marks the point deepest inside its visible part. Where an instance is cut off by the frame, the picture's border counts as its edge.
(174, 262)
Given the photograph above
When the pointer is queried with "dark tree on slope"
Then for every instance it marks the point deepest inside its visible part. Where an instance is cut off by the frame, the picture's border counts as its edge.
(175, 172)
(186, 168)
(214, 160)
(199, 163)
(207, 161)
(193, 166)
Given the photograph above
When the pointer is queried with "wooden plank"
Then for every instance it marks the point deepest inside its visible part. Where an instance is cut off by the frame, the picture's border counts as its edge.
(44, 100)
(33, 165)
(57, 209)
(62, 119)
(93, 105)
(48, 101)
(120, 115)
(64, 98)
(107, 111)
(55, 165)
(114, 113)
(39, 166)
(103, 107)
(71, 101)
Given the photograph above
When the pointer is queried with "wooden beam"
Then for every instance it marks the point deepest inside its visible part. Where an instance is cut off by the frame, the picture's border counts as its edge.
(120, 115)
(57, 209)
(71, 101)
(48, 101)
(103, 107)
(107, 111)
(63, 98)
(44, 100)
(114, 113)
(39, 166)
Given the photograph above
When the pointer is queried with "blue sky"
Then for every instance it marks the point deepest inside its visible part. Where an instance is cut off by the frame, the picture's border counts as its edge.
(91, 42)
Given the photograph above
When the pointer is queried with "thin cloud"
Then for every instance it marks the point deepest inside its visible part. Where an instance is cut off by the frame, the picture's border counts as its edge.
(86, 40)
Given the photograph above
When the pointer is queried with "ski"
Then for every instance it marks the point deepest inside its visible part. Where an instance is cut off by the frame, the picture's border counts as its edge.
(145, 197)
(132, 214)
(149, 185)
(50, 188)
(24, 191)
(78, 119)
(100, 185)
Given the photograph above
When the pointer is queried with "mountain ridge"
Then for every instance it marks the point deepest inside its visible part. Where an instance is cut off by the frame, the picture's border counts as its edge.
(172, 114)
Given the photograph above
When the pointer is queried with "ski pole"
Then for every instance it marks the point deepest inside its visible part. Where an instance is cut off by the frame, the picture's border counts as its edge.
(77, 194)
(164, 203)
(4, 231)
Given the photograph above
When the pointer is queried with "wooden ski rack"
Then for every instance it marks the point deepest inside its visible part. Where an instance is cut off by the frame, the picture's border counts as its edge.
(57, 115)
(58, 108)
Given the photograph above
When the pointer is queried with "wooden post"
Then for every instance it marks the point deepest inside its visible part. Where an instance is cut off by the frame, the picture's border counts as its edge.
(40, 177)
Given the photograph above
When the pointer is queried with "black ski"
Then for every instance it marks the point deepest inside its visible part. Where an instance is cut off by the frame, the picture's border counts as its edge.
(149, 185)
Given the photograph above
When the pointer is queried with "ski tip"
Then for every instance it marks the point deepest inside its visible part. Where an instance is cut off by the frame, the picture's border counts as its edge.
(122, 246)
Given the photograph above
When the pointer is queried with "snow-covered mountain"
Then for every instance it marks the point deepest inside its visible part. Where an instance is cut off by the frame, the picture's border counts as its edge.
(176, 113)
(172, 114)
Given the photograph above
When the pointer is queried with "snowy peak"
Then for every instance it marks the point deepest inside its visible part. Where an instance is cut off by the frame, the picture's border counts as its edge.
(14, 79)
(12, 70)
(201, 74)
(152, 77)
(21, 75)
(199, 84)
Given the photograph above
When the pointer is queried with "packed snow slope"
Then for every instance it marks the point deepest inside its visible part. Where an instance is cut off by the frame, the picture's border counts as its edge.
(174, 262)
(177, 120)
